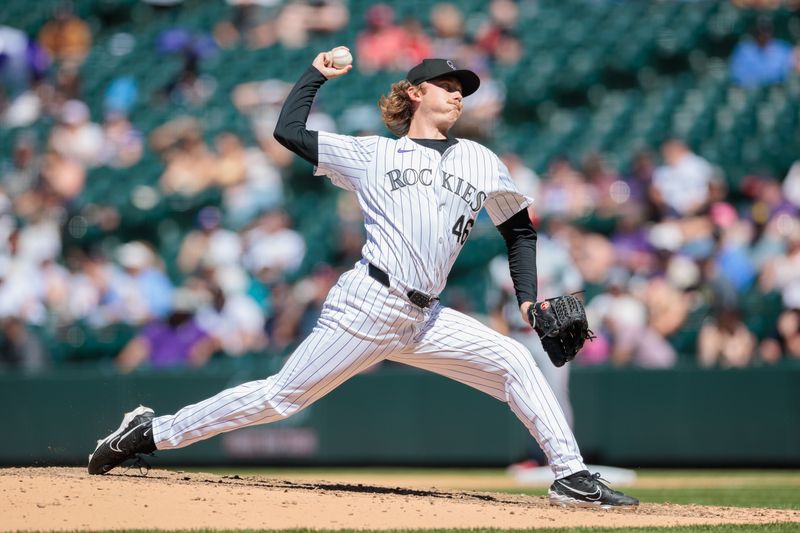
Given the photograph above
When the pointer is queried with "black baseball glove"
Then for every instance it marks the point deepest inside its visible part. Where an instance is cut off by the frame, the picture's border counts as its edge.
(562, 326)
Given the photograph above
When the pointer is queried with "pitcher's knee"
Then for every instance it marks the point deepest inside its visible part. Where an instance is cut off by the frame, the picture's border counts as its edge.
(284, 408)
(279, 402)
(519, 363)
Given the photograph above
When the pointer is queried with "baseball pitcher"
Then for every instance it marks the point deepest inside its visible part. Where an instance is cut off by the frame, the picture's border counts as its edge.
(420, 194)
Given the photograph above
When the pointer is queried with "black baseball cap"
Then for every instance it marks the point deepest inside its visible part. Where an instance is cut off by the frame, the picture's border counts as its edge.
(431, 69)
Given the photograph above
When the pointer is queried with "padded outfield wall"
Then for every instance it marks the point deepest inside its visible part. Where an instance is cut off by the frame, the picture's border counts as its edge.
(402, 416)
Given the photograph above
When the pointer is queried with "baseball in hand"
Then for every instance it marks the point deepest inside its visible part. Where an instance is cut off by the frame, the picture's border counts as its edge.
(340, 57)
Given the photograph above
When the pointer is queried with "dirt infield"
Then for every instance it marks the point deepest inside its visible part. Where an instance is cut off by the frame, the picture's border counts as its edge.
(70, 499)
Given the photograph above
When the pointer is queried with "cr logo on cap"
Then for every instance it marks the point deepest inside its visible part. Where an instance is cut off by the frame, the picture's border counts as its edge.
(451, 65)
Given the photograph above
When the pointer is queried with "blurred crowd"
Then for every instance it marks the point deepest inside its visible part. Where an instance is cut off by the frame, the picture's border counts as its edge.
(675, 267)
(670, 267)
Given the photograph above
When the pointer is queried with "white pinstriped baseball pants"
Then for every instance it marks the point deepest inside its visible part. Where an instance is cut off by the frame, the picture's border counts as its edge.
(363, 323)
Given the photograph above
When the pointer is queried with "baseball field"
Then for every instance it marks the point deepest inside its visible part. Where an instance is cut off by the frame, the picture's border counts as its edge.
(68, 499)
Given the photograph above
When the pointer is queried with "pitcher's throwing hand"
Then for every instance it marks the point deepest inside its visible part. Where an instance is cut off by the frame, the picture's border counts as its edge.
(325, 63)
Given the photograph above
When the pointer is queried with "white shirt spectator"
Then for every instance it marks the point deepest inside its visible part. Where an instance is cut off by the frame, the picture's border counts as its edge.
(683, 183)
(622, 312)
(83, 298)
(15, 45)
(787, 276)
(273, 247)
(262, 175)
(791, 185)
(39, 241)
(21, 290)
(224, 247)
(76, 137)
(262, 188)
(282, 250)
(56, 288)
(237, 326)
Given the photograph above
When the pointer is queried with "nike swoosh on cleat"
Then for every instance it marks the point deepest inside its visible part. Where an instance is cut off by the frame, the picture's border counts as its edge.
(127, 419)
(116, 441)
(401, 151)
(589, 495)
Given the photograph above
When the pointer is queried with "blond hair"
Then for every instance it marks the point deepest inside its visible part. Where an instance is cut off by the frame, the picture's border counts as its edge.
(397, 109)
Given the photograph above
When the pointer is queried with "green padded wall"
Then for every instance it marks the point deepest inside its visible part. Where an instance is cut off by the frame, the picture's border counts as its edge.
(403, 416)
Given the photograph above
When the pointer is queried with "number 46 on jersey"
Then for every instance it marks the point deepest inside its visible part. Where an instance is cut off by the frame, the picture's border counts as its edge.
(461, 229)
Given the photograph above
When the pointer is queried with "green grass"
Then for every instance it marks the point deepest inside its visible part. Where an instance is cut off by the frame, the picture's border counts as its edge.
(775, 489)
(774, 497)
(743, 474)
(771, 497)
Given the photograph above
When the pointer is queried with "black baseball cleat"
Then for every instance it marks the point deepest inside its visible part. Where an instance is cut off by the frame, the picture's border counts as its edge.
(134, 436)
(583, 489)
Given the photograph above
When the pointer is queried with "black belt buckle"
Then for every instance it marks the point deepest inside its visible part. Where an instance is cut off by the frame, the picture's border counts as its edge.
(420, 299)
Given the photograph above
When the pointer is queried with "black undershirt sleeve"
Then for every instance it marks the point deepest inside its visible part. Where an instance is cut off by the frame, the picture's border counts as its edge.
(520, 240)
(291, 130)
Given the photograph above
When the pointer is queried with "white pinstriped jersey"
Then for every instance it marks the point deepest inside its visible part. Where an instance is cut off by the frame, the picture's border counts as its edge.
(419, 205)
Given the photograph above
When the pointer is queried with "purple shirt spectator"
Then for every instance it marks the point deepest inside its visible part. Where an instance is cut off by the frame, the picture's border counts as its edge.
(171, 345)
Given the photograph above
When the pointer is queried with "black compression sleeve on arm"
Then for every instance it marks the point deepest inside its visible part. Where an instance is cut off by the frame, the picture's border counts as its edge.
(520, 240)
(291, 130)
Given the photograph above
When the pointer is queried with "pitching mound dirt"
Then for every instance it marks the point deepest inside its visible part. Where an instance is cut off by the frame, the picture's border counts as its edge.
(70, 499)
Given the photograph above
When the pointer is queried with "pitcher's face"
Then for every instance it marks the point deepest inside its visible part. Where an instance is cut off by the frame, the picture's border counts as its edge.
(441, 97)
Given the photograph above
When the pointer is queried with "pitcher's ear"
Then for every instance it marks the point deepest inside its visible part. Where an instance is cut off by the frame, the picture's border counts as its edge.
(415, 92)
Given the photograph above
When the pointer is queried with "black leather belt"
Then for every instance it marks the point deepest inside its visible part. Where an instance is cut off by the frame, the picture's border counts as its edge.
(418, 298)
